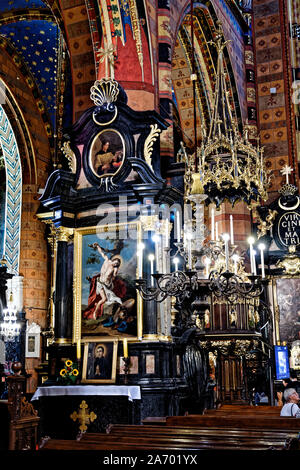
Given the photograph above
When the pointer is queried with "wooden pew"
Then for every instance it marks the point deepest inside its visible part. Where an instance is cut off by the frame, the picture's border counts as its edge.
(245, 410)
(155, 420)
(187, 444)
(235, 421)
(129, 437)
(121, 429)
(230, 427)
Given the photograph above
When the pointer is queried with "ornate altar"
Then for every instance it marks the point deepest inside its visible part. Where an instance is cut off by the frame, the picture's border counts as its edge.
(100, 209)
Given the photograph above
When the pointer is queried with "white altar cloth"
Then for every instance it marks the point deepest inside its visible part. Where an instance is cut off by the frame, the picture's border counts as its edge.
(133, 391)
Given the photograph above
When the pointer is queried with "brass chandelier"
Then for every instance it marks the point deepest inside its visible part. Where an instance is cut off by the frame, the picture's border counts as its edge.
(226, 165)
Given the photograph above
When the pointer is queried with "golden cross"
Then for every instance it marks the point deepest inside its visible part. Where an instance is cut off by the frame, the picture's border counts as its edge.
(83, 416)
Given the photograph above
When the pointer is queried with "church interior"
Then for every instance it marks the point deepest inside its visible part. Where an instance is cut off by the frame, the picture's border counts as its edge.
(149, 224)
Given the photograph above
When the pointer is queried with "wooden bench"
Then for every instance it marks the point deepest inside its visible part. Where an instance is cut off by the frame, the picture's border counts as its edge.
(246, 411)
(120, 429)
(229, 427)
(143, 437)
(235, 421)
(187, 444)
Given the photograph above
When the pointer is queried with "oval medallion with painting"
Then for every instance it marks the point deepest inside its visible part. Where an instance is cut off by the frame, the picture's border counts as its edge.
(107, 153)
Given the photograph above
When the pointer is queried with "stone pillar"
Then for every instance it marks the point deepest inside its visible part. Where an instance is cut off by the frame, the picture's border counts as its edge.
(63, 315)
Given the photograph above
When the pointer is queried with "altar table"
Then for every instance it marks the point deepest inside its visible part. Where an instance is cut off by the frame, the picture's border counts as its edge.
(112, 404)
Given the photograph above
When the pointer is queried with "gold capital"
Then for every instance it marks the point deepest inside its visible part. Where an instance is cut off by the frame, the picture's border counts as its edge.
(64, 234)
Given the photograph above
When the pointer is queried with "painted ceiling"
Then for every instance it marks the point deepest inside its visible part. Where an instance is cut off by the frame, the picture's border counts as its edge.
(35, 38)
(10, 4)
(36, 41)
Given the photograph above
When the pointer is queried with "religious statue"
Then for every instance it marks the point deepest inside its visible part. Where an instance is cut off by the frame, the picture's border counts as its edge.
(232, 317)
(207, 319)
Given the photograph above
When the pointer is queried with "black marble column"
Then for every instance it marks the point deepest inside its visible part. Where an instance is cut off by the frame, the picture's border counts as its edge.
(150, 318)
(149, 307)
(63, 312)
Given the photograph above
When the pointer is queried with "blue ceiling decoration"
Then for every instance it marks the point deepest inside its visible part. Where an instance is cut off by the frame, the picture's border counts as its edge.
(13, 4)
(37, 42)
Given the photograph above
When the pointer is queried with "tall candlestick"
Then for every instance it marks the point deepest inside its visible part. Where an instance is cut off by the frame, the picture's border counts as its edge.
(217, 232)
(151, 259)
(262, 247)
(78, 349)
(176, 263)
(213, 224)
(231, 231)
(125, 348)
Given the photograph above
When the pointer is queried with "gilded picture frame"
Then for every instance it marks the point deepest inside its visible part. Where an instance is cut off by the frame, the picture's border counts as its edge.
(101, 310)
(99, 361)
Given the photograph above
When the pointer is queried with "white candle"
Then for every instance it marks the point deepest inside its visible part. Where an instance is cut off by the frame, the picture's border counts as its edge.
(207, 262)
(226, 238)
(167, 234)
(156, 239)
(178, 225)
(190, 253)
(254, 262)
(140, 258)
(262, 247)
(151, 259)
(212, 224)
(176, 263)
(217, 232)
(251, 241)
(125, 348)
(231, 231)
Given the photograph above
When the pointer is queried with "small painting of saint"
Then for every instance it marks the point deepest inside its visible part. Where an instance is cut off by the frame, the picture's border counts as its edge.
(107, 153)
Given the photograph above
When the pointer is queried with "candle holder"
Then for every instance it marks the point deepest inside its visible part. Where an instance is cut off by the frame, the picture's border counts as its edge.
(126, 361)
